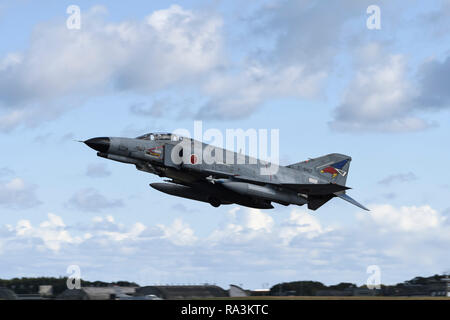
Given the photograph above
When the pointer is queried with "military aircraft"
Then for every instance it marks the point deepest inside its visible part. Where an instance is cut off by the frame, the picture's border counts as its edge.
(193, 175)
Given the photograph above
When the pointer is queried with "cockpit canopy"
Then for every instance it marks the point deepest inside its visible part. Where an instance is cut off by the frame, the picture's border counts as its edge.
(160, 136)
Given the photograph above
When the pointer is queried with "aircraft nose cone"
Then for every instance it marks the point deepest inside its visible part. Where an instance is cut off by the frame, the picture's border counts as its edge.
(100, 144)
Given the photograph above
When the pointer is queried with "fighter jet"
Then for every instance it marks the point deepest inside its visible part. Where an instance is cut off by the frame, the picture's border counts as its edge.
(241, 181)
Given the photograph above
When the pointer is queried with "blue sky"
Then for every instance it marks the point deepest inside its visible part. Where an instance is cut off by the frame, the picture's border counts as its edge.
(310, 69)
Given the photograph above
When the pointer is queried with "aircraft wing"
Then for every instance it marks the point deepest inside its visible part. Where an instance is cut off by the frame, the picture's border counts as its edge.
(309, 189)
(221, 174)
(316, 189)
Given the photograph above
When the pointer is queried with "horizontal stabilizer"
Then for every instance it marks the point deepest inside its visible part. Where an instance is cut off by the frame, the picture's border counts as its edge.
(351, 200)
(316, 189)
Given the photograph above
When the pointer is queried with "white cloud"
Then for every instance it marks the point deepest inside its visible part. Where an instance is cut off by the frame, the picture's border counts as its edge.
(256, 219)
(301, 222)
(379, 96)
(179, 233)
(243, 225)
(10, 60)
(238, 95)
(289, 63)
(176, 46)
(384, 97)
(17, 194)
(250, 227)
(180, 48)
(250, 247)
(90, 199)
(53, 221)
(15, 184)
(407, 218)
(170, 46)
(51, 232)
(280, 59)
(133, 233)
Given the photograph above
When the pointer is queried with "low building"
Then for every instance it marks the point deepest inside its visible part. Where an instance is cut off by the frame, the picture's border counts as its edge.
(7, 294)
(96, 293)
(46, 290)
(183, 292)
(260, 292)
(236, 291)
(434, 286)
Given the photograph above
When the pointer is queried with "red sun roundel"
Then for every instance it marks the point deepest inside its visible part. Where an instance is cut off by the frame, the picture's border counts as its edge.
(193, 159)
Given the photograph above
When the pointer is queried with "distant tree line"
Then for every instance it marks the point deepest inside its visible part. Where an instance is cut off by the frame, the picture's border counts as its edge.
(416, 286)
(306, 288)
(31, 285)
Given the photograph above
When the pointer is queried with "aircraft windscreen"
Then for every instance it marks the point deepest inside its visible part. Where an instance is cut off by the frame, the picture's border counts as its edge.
(160, 136)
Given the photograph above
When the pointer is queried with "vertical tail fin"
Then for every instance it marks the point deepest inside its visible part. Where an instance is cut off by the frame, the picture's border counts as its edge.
(332, 167)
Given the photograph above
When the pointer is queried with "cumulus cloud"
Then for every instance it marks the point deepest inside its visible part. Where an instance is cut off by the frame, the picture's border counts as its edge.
(243, 226)
(379, 96)
(179, 233)
(177, 47)
(17, 194)
(400, 177)
(236, 96)
(98, 170)
(108, 228)
(249, 225)
(249, 247)
(301, 222)
(90, 199)
(167, 47)
(180, 48)
(407, 219)
(382, 97)
(52, 233)
(290, 62)
(288, 21)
